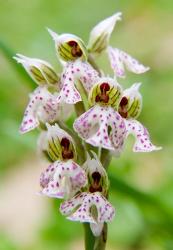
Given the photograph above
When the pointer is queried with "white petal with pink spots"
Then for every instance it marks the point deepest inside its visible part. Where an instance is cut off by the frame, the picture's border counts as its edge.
(142, 138)
(79, 208)
(75, 72)
(42, 107)
(119, 59)
(101, 127)
(62, 179)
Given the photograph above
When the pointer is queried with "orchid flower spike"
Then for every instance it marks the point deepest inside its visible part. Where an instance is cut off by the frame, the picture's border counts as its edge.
(68, 47)
(129, 108)
(118, 59)
(100, 34)
(102, 125)
(74, 74)
(40, 71)
(41, 108)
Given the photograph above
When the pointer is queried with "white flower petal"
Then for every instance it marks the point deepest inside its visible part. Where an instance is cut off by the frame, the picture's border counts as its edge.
(74, 73)
(119, 59)
(84, 213)
(100, 34)
(42, 107)
(62, 179)
(142, 138)
(101, 127)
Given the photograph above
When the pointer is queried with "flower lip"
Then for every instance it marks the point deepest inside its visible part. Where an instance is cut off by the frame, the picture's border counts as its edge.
(103, 97)
(75, 49)
(105, 92)
(123, 107)
(96, 186)
(67, 153)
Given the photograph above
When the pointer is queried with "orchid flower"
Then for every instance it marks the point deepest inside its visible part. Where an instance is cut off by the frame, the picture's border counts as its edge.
(72, 52)
(102, 125)
(118, 59)
(91, 206)
(64, 177)
(129, 108)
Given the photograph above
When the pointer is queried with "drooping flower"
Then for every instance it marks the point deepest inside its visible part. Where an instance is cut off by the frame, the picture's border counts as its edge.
(102, 125)
(120, 59)
(40, 71)
(63, 178)
(129, 108)
(100, 34)
(91, 206)
(41, 108)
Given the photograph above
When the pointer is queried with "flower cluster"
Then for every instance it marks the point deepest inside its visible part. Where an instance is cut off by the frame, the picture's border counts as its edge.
(106, 115)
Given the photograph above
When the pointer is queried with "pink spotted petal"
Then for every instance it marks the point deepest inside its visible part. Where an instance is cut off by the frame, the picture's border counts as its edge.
(42, 107)
(119, 59)
(73, 74)
(79, 208)
(142, 138)
(62, 179)
(101, 127)
(69, 94)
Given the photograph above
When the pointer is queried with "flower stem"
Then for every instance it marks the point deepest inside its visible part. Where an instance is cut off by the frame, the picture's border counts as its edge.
(92, 242)
(89, 237)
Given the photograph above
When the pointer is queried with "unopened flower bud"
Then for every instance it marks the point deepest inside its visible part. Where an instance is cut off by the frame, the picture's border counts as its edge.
(100, 34)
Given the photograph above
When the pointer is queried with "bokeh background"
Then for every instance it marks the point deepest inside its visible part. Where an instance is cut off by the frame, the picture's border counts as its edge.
(141, 184)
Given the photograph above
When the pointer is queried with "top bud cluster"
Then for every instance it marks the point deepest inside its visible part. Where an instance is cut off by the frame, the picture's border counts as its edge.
(106, 115)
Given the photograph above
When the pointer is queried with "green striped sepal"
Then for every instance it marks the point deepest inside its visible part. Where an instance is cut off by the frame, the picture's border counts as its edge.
(69, 47)
(106, 92)
(40, 71)
(131, 102)
(59, 144)
(100, 34)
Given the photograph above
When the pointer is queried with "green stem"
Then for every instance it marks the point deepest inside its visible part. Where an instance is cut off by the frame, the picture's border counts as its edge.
(89, 237)
(100, 242)
(93, 63)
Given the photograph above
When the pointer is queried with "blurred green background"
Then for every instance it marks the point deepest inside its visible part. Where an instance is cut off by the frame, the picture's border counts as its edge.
(141, 184)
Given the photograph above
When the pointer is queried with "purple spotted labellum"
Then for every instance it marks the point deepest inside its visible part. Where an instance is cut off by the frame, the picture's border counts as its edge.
(102, 125)
(89, 207)
(42, 107)
(76, 73)
(62, 179)
(119, 59)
